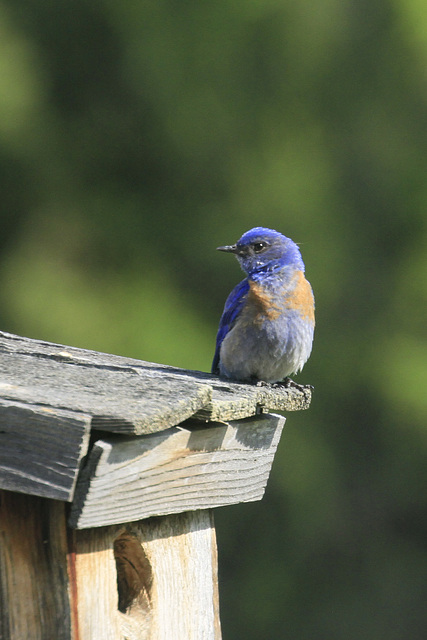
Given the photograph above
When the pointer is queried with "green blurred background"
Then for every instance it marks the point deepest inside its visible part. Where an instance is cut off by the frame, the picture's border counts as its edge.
(135, 137)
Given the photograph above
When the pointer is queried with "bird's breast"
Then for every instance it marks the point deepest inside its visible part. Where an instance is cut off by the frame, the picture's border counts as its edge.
(263, 303)
(299, 296)
(269, 303)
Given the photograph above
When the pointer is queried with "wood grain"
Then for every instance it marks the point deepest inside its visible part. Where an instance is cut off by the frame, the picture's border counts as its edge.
(34, 601)
(120, 397)
(41, 449)
(177, 470)
(95, 597)
(129, 396)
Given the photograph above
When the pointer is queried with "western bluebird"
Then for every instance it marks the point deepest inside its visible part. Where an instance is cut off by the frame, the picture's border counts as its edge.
(266, 329)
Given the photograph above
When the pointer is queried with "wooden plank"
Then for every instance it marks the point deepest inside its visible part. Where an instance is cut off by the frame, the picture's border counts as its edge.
(234, 401)
(180, 469)
(163, 585)
(94, 585)
(183, 555)
(41, 449)
(120, 398)
(34, 601)
(125, 395)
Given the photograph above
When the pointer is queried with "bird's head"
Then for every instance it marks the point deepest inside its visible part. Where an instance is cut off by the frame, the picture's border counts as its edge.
(262, 249)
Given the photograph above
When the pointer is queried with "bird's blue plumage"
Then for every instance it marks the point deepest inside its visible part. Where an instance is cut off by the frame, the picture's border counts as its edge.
(266, 329)
(232, 308)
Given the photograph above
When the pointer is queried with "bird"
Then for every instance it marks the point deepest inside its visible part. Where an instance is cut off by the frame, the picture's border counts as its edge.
(266, 330)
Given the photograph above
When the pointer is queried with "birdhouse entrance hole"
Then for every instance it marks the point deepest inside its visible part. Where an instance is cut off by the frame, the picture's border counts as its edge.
(134, 575)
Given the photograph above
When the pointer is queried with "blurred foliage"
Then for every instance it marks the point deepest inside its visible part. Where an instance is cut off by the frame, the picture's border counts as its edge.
(137, 137)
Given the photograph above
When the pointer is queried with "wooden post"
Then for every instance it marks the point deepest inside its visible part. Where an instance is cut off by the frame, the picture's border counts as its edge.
(149, 580)
(141, 453)
(34, 584)
(163, 584)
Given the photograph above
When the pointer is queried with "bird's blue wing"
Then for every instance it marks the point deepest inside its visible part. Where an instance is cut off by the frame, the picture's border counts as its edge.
(232, 309)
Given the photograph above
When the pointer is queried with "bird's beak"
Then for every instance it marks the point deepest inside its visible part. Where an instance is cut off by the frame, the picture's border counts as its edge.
(229, 248)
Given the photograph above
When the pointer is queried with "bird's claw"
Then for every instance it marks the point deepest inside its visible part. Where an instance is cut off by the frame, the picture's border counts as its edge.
(287, 383)
(262, 383)
(290, 384)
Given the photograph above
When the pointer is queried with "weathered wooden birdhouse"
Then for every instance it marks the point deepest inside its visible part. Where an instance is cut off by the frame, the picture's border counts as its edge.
(109, 470)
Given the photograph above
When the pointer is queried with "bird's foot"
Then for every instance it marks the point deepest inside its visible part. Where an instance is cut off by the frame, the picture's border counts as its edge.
(287, 383)
(262, 383)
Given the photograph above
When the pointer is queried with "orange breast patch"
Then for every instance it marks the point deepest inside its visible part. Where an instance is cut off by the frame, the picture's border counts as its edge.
(263, 302)
(266, 306)
(301, 297)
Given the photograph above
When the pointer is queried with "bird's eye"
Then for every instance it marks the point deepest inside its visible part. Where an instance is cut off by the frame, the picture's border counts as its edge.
(259, 246)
